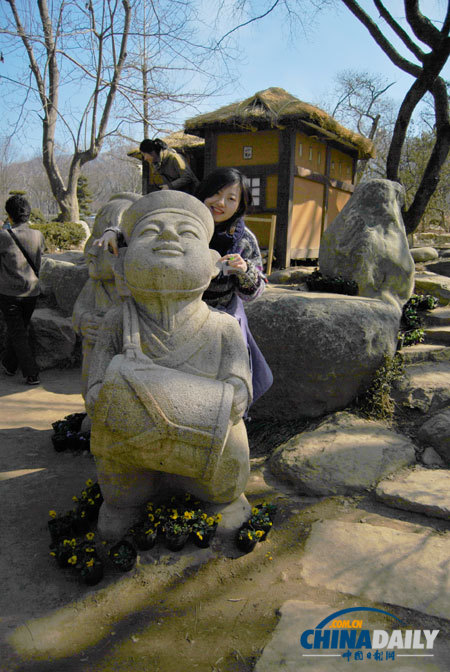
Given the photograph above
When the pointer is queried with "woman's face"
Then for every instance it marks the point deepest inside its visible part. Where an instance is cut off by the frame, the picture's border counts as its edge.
(224, 204)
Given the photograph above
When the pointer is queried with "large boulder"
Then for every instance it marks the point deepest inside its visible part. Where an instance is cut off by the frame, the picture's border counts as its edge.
(62, 281)
(344, 455)
(323, 349)
(55, 340)
(367, 243)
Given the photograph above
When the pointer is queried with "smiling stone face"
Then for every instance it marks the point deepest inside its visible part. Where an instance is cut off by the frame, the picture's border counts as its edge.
(168, 250)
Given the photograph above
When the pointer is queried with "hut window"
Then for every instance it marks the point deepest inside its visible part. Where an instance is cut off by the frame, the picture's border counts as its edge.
(310, 153)
(319, 158)
(255, 186)
(248, 152)
(300, 149)
(332, 165)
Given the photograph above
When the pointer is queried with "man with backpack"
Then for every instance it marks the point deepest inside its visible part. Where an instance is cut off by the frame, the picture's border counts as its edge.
(20, 260)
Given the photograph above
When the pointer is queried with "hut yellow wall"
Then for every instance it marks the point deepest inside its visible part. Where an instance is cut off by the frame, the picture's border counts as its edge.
(230, 148)
(310, 153)
(271, 191)
(306, 219)
(341, 166)
(336, 201)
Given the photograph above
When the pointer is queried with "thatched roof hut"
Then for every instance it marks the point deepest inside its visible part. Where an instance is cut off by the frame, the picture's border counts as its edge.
(276, 108)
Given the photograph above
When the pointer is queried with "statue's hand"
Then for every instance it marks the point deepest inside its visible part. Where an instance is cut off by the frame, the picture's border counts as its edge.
(240, 399)
(90, 326)
(108, 240)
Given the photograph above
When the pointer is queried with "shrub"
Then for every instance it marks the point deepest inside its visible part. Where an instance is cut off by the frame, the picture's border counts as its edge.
(61, 235)
(317, 282)
(411, 331)
(376, 402)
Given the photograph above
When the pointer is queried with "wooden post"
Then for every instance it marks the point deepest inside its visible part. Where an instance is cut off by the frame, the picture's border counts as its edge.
(285, 195)
(326, 191)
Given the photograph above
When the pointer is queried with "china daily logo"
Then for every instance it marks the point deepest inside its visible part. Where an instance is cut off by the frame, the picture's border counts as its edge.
(343, 631)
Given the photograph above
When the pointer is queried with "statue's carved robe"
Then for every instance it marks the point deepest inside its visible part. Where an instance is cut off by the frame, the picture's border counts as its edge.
(208, 345)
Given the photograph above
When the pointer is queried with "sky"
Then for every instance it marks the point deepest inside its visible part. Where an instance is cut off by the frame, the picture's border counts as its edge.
(304, 65)
(307, 65)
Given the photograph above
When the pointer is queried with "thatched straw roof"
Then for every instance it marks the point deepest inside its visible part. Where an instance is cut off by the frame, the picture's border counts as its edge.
(178, 140)
(276, 108)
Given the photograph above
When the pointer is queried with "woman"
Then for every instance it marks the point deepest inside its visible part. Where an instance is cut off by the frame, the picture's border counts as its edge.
(172, 170)
(226, 193)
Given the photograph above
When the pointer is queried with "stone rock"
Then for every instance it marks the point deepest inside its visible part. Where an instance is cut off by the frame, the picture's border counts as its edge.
(424, 387)
(62, 282)
(288, 276)
(432, 283)
(381, 564)
(367, 243)
(441, 267)
(323, 349)
(423, 490)
(435, 432)
(423, 253)
(342, 456)
(54, 338)
(71, 256)
(430, 458)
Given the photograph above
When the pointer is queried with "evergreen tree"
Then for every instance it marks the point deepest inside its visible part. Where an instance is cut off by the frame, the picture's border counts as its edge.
(83, 196)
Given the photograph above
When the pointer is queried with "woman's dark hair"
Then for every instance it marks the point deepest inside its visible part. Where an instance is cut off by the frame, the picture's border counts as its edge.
(155, 145)
(220, 178)
(18, 208)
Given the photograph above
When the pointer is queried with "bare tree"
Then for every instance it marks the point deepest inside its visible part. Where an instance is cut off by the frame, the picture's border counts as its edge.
(427, 79)
(69, 45)
(426, 74)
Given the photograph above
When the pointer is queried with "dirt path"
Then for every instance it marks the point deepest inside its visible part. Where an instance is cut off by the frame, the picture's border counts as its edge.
(196, 610)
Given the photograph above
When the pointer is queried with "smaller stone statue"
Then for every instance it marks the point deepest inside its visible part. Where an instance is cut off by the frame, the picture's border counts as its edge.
(100, 292)
(169, 379)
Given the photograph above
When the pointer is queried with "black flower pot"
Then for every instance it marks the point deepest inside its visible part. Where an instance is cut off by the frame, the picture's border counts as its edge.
(62, 556)
(175, 542)
(94, 575)
(123, 555)
(59, 442)
(143, 541)
(81, 523)
(207, 537)
(60, 528)
(243, 542)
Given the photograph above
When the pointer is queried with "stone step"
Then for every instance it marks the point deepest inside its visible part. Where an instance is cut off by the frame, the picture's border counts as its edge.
(423, 490)
(437, 317)
(425, 352)
(437, 335)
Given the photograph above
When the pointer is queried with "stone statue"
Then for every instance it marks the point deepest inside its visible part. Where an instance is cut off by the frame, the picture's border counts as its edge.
(367, 243)
(169, 379)
(99, 292)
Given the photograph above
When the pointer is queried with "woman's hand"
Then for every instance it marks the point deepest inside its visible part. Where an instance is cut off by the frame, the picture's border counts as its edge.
(108, 240)
(235, 263)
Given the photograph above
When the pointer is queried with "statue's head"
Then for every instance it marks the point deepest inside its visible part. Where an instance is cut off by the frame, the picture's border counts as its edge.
(168, 234)
(99, 260)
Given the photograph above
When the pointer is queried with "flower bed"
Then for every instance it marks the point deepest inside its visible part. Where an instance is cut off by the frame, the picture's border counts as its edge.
(67, 434)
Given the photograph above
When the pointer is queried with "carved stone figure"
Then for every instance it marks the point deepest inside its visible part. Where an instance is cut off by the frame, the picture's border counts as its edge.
(169, 379)
(367, 243)
(99, 292)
